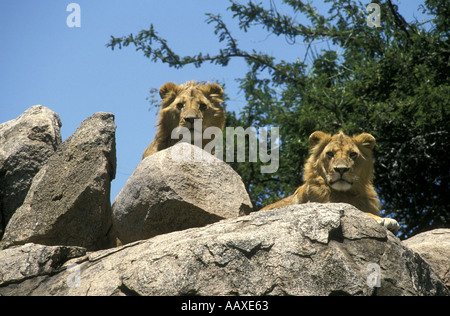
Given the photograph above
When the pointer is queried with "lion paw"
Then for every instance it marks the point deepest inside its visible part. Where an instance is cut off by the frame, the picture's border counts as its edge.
(390, 224)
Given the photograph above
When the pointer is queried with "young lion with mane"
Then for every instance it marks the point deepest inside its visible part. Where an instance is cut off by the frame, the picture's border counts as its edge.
(183, 104)
(339, 169)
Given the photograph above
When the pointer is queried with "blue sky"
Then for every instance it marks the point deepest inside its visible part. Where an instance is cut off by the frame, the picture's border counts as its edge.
(72, 72)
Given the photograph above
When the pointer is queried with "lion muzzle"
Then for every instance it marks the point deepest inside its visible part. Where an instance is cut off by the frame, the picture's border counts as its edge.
(341, 170)
(190, 117)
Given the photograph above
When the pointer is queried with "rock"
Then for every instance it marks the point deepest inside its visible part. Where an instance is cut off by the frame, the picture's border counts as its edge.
(434, 247)
(165, 194)
(31, 261)
(307, 249)
(68, 202)
(26, 143)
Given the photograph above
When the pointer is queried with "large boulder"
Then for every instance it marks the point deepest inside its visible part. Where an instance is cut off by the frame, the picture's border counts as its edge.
(434, 247)
(308, 249)
(178, 188)
(26, 143)
(68, 202)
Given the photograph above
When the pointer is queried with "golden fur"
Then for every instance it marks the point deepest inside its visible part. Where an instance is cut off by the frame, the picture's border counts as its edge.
(339, 169)
(180, 105)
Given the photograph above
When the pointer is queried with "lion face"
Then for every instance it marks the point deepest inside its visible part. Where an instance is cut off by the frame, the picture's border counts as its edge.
(182, 105)
(343, 162)
(195, 106)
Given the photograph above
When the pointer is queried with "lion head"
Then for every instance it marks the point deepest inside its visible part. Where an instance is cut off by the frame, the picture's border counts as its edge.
(187, 105)
(343, 163)
(183, 104)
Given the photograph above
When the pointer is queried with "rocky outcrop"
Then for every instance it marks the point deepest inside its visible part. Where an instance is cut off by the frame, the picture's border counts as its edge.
(59, 240)
(309, 249)
(178, 188)
(434, 247)
(26, 143)
(68, 202)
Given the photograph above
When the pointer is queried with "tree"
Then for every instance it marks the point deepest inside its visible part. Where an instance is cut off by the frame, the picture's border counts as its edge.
(391, 81)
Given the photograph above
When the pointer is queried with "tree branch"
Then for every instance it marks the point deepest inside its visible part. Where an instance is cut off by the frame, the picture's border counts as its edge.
(399, 20)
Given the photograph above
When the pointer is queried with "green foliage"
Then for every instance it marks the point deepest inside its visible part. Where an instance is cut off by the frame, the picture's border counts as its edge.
(392, 82)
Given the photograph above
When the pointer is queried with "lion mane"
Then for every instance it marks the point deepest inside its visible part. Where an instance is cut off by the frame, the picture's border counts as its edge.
(339, 170)
(183, 104)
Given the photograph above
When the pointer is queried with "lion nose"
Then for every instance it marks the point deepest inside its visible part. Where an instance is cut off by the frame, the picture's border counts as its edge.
(341, 170)
(190, 119)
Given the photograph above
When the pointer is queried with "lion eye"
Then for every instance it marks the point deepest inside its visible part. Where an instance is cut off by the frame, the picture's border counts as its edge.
(353, 155)
(180, 105)
(202, 106)
(330, 154)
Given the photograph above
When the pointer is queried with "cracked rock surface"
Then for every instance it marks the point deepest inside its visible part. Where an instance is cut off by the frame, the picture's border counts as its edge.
(308, 249)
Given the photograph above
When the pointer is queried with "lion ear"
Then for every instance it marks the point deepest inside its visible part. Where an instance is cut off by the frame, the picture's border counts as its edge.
(168, 91)
(214, 92)
(317, 137)
(215, 89)
(365, 140)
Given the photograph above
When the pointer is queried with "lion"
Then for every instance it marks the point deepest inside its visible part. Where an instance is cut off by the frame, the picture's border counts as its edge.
(339, 170)
(182, 105)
